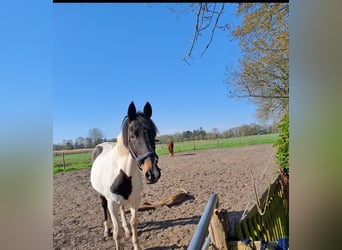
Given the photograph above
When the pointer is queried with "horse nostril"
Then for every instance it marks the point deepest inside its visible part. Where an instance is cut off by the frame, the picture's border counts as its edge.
(150, 177)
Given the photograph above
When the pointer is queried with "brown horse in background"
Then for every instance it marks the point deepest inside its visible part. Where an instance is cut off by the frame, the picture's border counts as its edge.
(170, 147)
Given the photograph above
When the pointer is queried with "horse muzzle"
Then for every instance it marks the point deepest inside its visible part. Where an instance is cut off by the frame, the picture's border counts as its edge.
(151, 172)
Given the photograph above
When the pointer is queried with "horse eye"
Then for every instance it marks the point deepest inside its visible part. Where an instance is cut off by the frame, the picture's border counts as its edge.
(133, 134)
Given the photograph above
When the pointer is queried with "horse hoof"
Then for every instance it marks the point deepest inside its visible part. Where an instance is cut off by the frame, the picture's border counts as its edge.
(105, 238)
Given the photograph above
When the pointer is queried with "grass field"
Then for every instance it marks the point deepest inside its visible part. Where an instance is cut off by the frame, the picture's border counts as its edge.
(76, 161)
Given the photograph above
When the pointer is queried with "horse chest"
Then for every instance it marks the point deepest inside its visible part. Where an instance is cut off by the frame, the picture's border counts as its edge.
(122, 185)
(125, 186)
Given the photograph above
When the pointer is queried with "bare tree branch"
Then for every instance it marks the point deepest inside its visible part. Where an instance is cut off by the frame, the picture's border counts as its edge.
(203, 22)
(196, 33)
(213, 29)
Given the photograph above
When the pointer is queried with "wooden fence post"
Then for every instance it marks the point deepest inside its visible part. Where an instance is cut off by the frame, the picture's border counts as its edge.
(63, 161)
(219, 229)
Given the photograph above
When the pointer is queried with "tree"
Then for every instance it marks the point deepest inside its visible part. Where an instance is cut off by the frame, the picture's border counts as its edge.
(67, 144)
(244, 130)
(198, 134)
(178, 137)
(79, 142)
(262, 75)
(263, 72)
(216, 133)
(207, 17)
(96, 135)
(282, 145)
(187, 135)
(202, 133)
(88, 143)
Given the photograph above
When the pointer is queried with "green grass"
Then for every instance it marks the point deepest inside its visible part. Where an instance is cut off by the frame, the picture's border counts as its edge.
(218, 143)
(83, 160)
(72, 162)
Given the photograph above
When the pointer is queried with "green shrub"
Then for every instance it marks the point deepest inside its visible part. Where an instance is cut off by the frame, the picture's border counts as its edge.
(282, 144)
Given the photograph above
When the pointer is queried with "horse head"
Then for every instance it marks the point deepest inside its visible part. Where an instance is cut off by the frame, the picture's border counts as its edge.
(139, 134)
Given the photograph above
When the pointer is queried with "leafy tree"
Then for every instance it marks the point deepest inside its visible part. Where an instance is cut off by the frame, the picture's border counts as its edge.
(282, 144)
(255, 129)
(263, 72)
(262, 75)
(244, 130)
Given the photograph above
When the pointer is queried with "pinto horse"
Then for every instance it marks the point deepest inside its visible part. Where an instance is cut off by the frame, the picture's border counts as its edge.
(116, 171)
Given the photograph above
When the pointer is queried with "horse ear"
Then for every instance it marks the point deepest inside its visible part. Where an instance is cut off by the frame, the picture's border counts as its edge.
(148, 110)
(132, 112)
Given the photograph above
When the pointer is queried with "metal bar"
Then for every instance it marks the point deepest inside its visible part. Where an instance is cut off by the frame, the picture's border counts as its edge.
(202, 227)
(206, 243)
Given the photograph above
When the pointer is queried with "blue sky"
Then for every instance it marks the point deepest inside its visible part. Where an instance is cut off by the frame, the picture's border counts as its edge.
(107, 55)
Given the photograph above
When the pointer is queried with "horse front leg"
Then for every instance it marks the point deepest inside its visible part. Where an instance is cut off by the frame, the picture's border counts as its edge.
(124, 222)
(134, 226)
(117, 231)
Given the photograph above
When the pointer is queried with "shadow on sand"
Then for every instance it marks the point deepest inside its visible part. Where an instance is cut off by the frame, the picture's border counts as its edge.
(184, 154)
(158, 225)
(234, 216)
(174, 246)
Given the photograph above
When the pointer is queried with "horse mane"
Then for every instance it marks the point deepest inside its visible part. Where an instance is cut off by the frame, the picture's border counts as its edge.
(122, 149)
(145, 121)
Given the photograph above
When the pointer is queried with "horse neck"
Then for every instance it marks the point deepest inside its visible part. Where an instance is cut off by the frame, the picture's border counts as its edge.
(128, 165)
(121, 148)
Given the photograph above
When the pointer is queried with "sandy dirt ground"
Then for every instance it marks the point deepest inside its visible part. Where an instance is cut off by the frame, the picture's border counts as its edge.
(78, 216)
